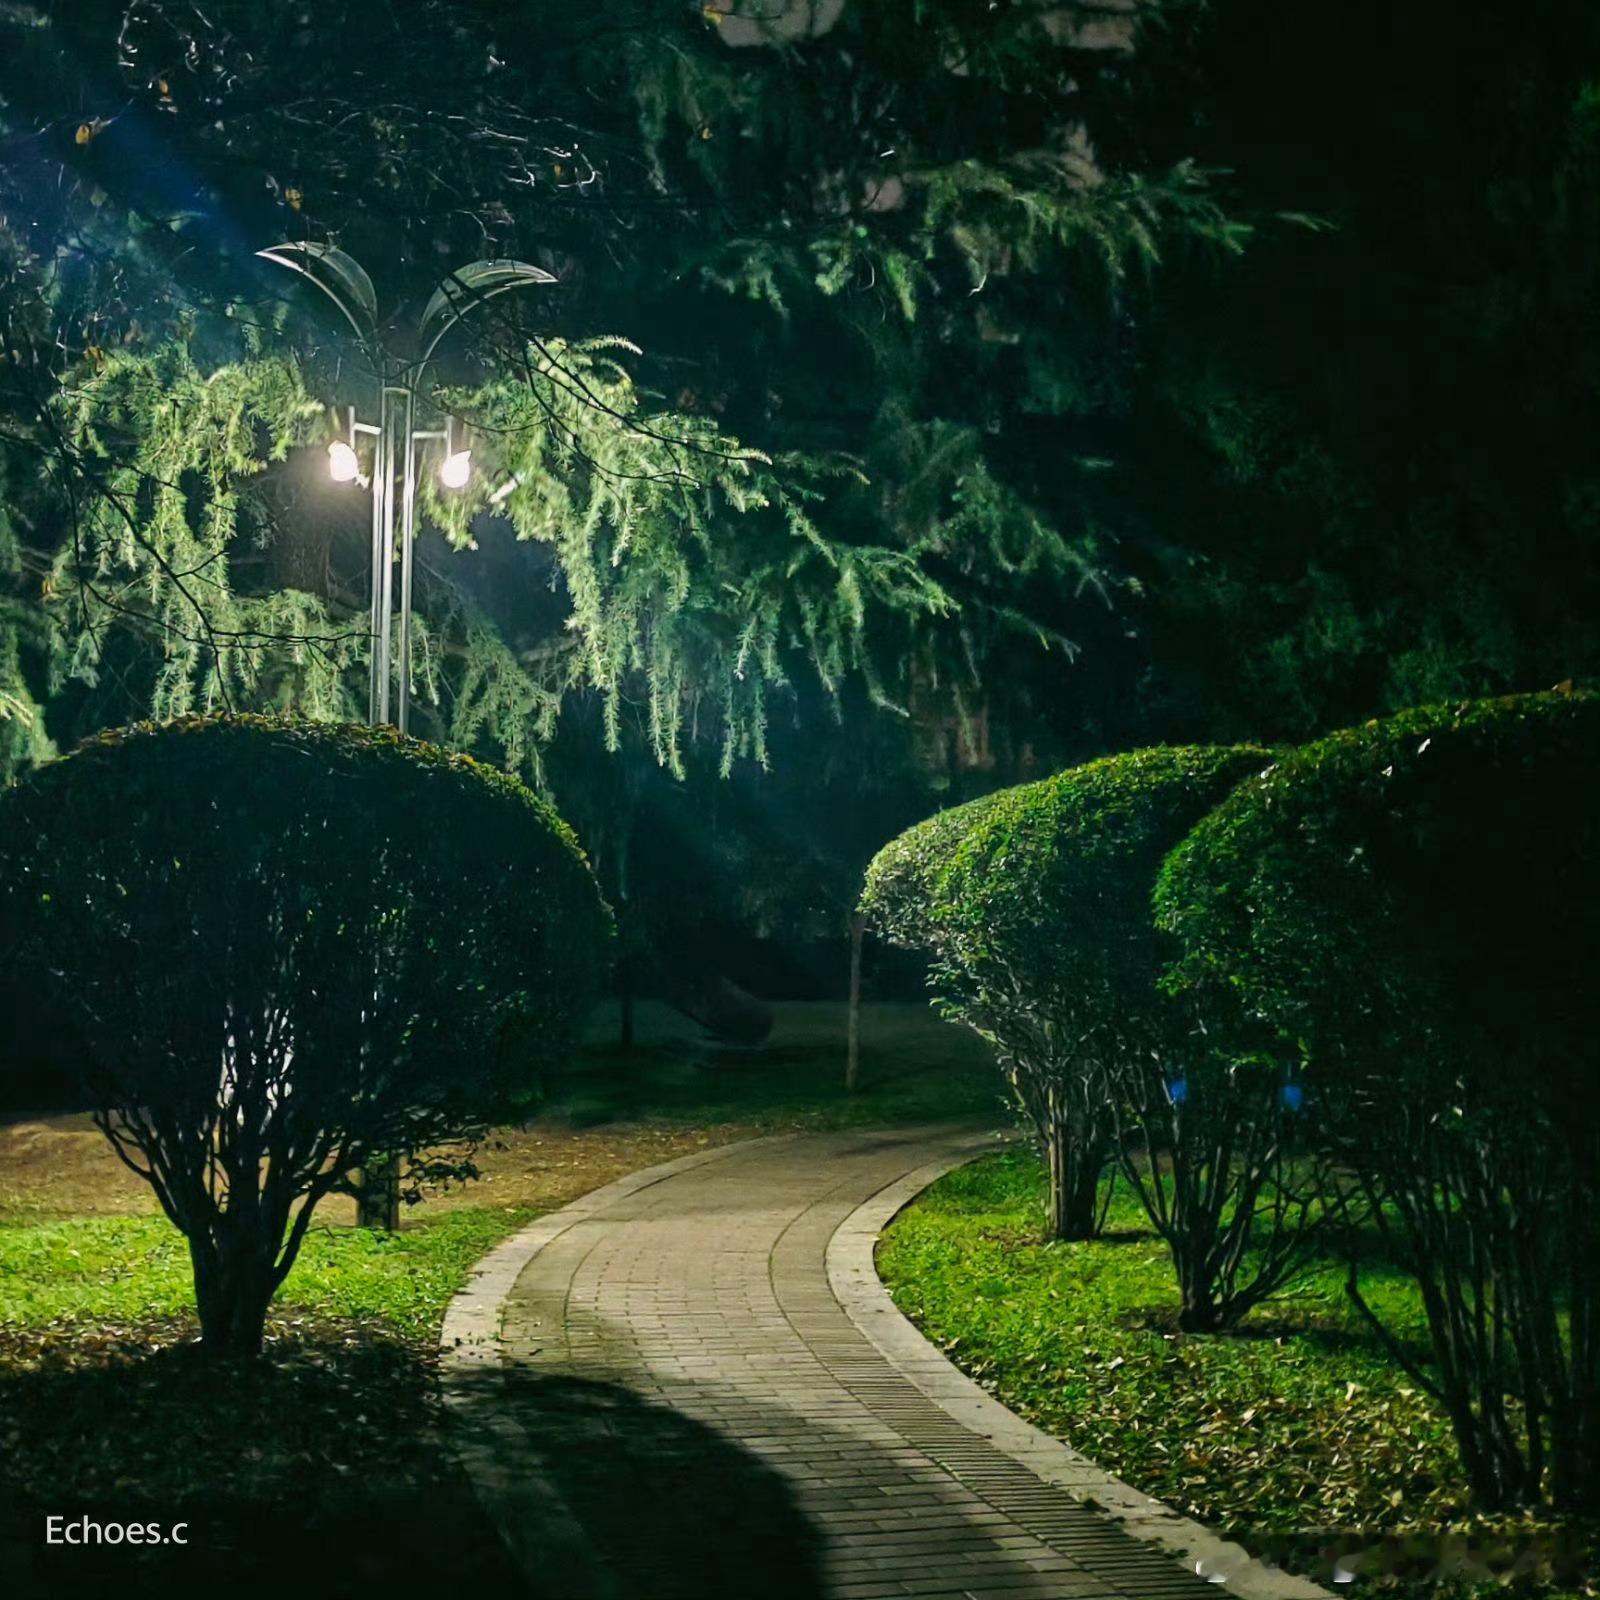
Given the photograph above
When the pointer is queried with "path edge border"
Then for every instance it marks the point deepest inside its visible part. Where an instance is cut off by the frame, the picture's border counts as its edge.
(853, 1278)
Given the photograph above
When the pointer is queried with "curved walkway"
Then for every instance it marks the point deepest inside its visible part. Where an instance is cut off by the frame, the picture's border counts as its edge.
(677, 1403)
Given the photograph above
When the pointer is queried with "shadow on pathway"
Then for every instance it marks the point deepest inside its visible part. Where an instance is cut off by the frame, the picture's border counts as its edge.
(605, 1495)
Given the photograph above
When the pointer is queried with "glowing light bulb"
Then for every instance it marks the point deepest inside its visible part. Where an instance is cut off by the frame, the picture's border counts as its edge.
(343, 467)
(456, 469)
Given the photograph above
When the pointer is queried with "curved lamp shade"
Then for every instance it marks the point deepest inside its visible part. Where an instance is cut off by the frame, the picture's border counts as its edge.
(346, 283)
(337, 275)
(466, 287)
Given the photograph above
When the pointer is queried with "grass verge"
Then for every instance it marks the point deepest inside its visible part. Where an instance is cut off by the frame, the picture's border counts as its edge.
(1299, 1436)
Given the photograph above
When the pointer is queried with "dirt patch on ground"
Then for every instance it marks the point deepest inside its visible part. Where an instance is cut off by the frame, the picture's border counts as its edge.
(63, 1166)
(548, 1164)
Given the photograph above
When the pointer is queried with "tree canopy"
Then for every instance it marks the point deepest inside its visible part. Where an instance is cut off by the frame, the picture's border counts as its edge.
(788, 180)
(1010, 368)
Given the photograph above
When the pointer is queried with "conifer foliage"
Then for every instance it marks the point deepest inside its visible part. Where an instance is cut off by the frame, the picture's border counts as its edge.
(806, 226)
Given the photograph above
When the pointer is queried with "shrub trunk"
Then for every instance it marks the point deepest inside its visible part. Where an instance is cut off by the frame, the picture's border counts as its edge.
(1076, 1163)
(1198, 1307)
(1498, 1227)
(232, 1289)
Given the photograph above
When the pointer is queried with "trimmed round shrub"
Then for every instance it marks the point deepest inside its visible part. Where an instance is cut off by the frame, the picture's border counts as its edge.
(900, 897)
(290, 949)
(1413, 906)
(1051, 951)
(1048, 886)
(1416, 887)
(1035, 903)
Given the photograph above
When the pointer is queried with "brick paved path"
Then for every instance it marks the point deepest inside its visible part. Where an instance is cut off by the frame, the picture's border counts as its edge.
(686, 1410)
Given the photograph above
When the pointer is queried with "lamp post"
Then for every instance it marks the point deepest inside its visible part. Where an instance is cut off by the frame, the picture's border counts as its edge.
(395, 436)
(395, 458)
(396, 440)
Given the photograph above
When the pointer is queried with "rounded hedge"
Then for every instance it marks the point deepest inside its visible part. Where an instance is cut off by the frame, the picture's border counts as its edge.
(1035, 903)
(1051, 882)
(424, 923)
(901, 880)
(1422, 891)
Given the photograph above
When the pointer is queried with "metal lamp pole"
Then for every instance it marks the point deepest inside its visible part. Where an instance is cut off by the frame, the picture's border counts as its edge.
(395, 435)
(396, 448)
(395, 439)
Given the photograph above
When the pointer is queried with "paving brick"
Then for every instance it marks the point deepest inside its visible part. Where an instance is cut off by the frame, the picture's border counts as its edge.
(693, 1398)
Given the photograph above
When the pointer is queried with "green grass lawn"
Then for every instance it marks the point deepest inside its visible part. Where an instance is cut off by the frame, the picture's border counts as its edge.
(327, 1450)
(914, 1068)
(129, 1270)
(1297, 1437)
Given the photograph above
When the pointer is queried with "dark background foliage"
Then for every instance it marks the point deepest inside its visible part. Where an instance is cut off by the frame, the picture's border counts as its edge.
(1344, 471)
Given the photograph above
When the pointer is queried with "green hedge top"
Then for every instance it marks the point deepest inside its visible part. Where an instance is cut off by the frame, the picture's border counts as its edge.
(1052, 883)
(901, 879)
(1427, 885)
(403, 904)
(218, 743)
(1042, 890)
(138, 775)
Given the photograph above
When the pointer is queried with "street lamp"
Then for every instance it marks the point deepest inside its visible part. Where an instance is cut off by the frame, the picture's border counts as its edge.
(395, 439)
(344, 465)
(395, 435)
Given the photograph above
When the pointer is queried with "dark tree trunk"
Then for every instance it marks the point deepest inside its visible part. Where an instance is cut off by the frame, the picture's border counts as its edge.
(1192, 1242)
(1075, 1167)
(1198, 1311)
(628, 962)
(232, 1296)
(378, 1198)
(852, 1066)
(625, 1035)
(630, 936)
